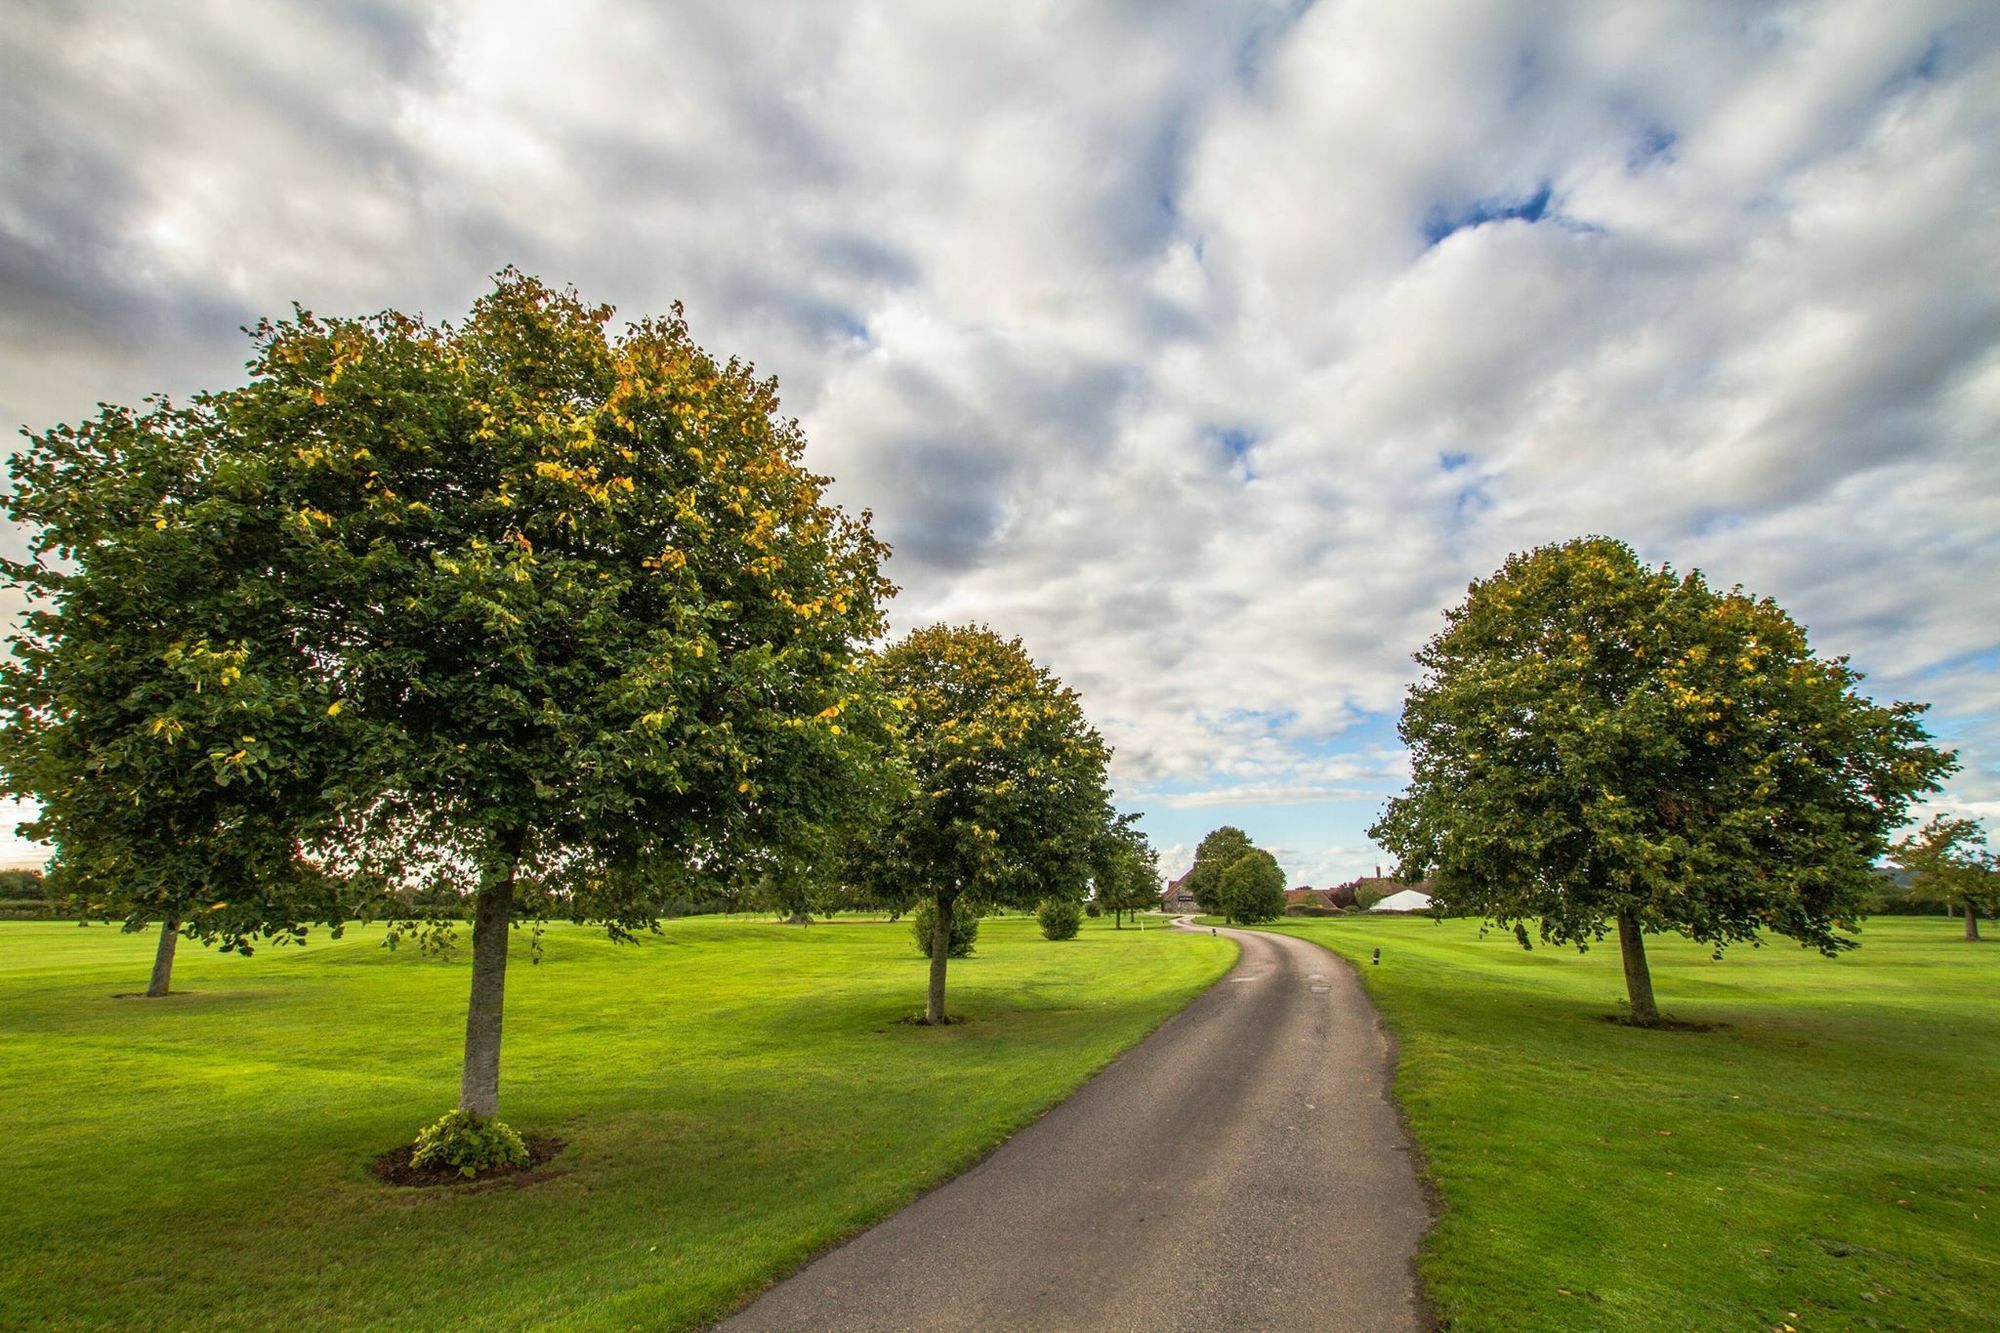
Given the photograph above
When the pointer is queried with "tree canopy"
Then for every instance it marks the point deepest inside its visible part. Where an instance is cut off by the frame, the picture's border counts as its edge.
(1007, 783)
(1253, 887)
(1948, 864)
(1597, 741)
(1125, 876)
(1257, 894)
(1214, 854)
(177, 733)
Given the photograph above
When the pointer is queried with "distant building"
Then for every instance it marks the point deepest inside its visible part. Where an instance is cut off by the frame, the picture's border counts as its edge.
(1306, 896)
(1177, 898)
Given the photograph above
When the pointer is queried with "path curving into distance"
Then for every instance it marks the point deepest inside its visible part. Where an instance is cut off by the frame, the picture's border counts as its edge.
(1241, 1168)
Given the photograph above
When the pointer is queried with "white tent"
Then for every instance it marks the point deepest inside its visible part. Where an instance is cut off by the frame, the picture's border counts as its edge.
(1409, 900)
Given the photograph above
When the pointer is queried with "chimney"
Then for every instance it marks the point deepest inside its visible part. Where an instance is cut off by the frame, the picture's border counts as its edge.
(1378, 870)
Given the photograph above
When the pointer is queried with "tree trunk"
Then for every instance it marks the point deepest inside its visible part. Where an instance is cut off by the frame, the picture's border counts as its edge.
(940, 955)
(1971, 926)
(1638, 978)
(492, 911)
(163, 957)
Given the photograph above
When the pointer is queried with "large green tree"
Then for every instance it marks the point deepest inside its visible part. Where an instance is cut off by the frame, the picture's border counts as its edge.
(1007, 783)
(1253, 887)
(1213, 855)
(177, 733)
(1596, 743)
(594, 619)
(1948, 863)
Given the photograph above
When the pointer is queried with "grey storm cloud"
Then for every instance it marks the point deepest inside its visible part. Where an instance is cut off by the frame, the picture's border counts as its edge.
(1212, 348)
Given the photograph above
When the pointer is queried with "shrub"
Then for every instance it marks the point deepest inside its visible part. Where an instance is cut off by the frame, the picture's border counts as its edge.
(468, 1144)
(1060, 918)
(964, 929)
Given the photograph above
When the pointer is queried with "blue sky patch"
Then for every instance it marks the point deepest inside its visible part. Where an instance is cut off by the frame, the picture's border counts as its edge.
(1442, 221)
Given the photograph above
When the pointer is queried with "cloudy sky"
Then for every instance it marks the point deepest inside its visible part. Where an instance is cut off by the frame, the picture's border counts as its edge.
(1210, 347)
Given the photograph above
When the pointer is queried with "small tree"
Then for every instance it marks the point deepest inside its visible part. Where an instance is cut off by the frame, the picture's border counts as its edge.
(1059, 918)
(1948, 863)
(1253, 887)
(1596, 742)
(1126, 873)
(1213, 855)
(1007, 787)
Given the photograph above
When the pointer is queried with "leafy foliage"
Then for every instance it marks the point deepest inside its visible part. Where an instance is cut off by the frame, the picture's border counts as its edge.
(1125, 876)
(1253, 887)
(1948, 863)
(1212, 856)
(1006, 791)
(1594, 739)
(176, 729)
(1257, 894)
(468, 1144)
(1060, 918)
(964, 930)
(586, 599)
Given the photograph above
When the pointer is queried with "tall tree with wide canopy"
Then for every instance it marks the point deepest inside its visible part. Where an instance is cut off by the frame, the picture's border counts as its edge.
(1948, 863)
(1007, 783)
(1596, 743)
(595, 619)
(178, 738)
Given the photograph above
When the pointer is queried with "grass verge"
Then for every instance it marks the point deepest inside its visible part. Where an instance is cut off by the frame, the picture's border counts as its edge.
(735, 1096)
(1822, 1157)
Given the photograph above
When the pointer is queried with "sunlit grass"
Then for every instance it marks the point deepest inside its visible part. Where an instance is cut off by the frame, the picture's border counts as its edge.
(736, 1095)
(1825, 1158)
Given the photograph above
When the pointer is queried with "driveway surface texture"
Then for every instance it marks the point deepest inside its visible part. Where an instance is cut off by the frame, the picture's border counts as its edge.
(1242, 1168)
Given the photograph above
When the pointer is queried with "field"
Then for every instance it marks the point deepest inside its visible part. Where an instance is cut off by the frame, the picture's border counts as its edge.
(735, 1096)
(1824, 1158)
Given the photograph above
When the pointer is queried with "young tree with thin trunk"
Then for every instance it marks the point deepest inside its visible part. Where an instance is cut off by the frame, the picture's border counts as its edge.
(1948, 863)
(1599, 744)
(1125, 876)
(593, 618)
(1007, 783)
(174, 733)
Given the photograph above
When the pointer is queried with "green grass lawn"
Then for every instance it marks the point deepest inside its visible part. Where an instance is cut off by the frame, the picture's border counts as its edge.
(735, 1094)
(1825, 1160)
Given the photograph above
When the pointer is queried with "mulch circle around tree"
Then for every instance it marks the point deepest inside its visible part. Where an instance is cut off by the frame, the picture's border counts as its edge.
(394, 1167)
(1665, 1025)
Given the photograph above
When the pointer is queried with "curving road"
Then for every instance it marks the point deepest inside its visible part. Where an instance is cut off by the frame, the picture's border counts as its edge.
(1242, 1168)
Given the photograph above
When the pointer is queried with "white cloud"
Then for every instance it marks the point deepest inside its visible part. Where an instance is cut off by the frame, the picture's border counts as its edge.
(1127, 322)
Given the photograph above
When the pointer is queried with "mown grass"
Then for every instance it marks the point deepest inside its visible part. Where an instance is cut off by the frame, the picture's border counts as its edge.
(735, 1095)
(1823, 1159)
